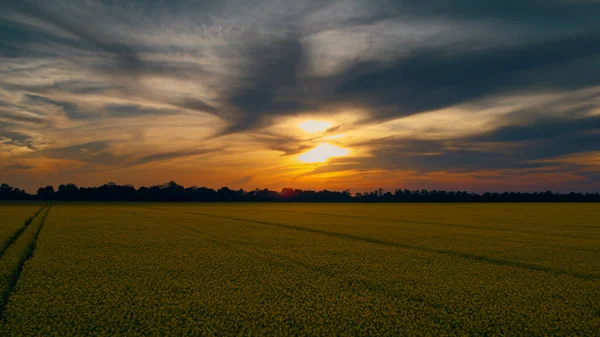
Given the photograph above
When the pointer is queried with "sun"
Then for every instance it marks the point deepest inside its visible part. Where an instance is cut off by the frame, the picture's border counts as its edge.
(314, 126)
(322, 152)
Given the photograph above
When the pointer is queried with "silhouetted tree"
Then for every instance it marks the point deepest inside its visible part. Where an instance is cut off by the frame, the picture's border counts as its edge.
(171, 191)
(45, 193)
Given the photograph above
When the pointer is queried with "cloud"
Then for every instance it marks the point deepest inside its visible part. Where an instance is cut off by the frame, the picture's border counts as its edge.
(419, 80)
(126, 57)
(134, 110)
(17, 139)
(70, 109)
(79, 78)
(97, 152)
(164, 156)
(526, 138)
(438, 78)
(510, 10)
(437, 67)
(270, 85)
(18, 117)
(107, 154)
(289, 145)
(194, 104)
(17, 167)
(242, 181)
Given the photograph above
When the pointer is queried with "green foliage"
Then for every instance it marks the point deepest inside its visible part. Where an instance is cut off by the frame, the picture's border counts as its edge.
(311, 269)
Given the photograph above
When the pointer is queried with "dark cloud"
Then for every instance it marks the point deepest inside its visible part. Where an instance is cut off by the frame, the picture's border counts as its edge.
(540, 11)
(72, 87)
(171, 155)
(242, 181)
(194, 104)
(127, 58)
(270, 86)
(431, 79)
(17, 167)
(591, 177)
(440, 155)
(272, 83)
(546, 128)
(15, 117)
(512, 146)
(539, 46)
(424, 79)
(71, 110)
(134, 110)
(116, 55)
(97, 152)
(100, 152)
(16, 38)
(17, 139)
(289, 145)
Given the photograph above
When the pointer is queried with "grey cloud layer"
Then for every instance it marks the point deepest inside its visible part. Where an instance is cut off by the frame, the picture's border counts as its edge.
(250, 63)
(99, 152)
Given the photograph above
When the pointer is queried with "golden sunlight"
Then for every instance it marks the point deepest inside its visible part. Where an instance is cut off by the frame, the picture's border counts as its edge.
(322, 152)
(314, 126)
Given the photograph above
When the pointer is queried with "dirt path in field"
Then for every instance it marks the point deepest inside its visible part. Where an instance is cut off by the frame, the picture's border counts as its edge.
(6, 244)
(16, 253)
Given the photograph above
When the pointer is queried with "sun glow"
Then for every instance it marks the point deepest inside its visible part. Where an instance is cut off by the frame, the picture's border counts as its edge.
(334, 136)
(314, 126)
(322, 152)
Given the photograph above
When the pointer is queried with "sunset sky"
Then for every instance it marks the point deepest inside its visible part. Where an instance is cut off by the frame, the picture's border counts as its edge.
(346, 94)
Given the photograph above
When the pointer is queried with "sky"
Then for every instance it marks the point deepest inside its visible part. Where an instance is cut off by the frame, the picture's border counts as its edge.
(344, 94)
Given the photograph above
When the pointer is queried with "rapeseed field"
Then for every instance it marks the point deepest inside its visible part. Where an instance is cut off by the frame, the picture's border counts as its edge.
(14, 217)
(306, 269)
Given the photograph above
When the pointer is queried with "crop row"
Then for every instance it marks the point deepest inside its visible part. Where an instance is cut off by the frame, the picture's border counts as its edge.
(14, 217)
(16, 251)
(227, 270)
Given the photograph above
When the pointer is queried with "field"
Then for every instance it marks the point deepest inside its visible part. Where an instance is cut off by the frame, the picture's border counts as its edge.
(300, 269)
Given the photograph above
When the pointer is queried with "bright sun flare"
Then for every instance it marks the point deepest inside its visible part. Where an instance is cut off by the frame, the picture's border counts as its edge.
(322, 152)
(314, 126)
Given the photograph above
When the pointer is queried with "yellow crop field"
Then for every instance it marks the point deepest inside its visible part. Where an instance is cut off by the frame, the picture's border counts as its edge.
(275, 269)
(14, 217)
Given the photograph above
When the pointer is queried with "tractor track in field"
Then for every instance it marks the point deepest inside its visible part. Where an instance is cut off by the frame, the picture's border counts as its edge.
(348, 282)
(14, 275)
(432, 223)
(14, 236)
(448, 252)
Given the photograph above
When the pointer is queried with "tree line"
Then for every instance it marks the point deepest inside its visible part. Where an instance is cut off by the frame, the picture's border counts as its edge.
(171, 191)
